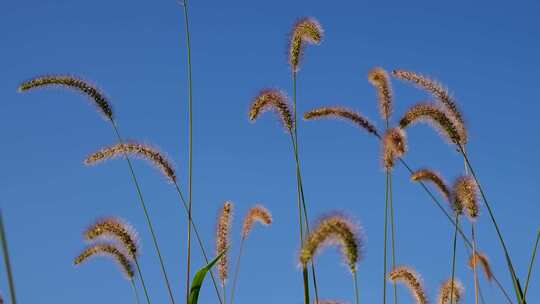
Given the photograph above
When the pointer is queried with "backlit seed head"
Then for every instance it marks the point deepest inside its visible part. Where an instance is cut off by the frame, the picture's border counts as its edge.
(449, 290)
(275, 100)
(110, 250)
(433, 177)
(380, 80)
(116, 229)
(255, 214)
(342, 113)
(465, 192)
(223, 239)
(305, 30)
(484, 262)
(394, 145)
(411, 280)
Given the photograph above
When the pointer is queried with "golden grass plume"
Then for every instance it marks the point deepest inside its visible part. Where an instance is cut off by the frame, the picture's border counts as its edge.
(439, 92)
(334, 229)
(72, 82)
(378, 77)
(465, 192)
(447, 289)
(110, 250)
(116, 229)
(484, 262)
(257, 213)
(305, 30)
(433, 177)
(136, 149)
(411, 280)
(223, 230)
(272, 99)
(342, 113)
(427, 112)
(394, 145)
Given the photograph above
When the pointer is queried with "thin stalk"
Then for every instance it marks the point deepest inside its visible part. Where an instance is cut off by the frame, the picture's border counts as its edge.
(147, 216)
(301, 201)
(475, 272)
(355, 283)
(385, 237)
(135, 290)
(515, 281)
(142, 281)
(199, 240)
(190, 161)
(454, 260)
(237, 270)
(392, 232)
(7, 262)
(531, 264)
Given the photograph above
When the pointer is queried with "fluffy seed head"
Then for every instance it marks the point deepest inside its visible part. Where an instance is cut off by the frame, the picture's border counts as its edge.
(411, 279)
(275, 100)
(380, 80)
(72, 82)
(394, 145)
(439, 93)
(135, 149)
(342, 113)
(255, 214)
(426, 112)
(465, 193)
(116, 229)
(222, 239)
(333, 230)
(433, 177)
(449, 290)
(110, 250)
(305, 30)
(484, 262)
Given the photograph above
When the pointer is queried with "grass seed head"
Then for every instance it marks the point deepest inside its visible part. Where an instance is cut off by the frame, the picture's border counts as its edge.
(305, 30)
(465, 194)
(484, 262)
(394, 145)
(433, 177)
(449, 290)
(275, 100)
(378, 77)
(117, 229)
(255, 214)
(110, 250)
(223, 239)
(342, 113)
(411, 280)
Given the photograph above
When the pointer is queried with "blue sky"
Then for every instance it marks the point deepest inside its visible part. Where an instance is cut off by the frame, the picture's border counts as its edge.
(485, 52)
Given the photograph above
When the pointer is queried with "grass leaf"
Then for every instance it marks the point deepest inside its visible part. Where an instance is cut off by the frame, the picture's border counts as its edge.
(198, 279)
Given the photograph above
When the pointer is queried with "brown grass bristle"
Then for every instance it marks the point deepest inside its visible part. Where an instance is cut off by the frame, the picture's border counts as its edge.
(72, 82)
(439, 93)
(110, 250)
(275, 100)
(484, 262)
(378, 77)
(465, 192)
(117, 229)
(305, 30)
(411, 280)
(333, 230)
(136, 149)
(447, 289)
(222, 239)
(255, 214)
(394, 145)
(433, 177)
(342, 113)
(427, 112)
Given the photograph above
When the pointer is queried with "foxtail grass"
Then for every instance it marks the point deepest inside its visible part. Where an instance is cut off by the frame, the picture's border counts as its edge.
(450, 292)
(7, 261)
(408, 277)
(255, 214)
(104, 107)
(334, 229)
(223, 229)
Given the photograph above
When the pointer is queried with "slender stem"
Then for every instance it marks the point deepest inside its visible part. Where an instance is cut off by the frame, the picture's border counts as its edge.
(7, 262)
(135, 291)
(517, 287)
(199, 240)
(454, 260)
(190, 166)
(224, 297)
(385, 236)
(355, 282)
(142, 280)
(237, 270)
(392, 232)
(531, 264)
(147, 216)
(475, 260)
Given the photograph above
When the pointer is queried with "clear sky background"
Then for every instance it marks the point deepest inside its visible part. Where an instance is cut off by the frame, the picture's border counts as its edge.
(485, 52)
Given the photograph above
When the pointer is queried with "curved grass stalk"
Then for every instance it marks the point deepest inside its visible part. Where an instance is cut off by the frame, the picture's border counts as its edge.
(7, 262)
(515, 281)
(147, 216)
(190, 161)
(531, 264)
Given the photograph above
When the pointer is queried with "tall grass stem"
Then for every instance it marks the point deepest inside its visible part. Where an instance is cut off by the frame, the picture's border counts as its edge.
(7, 261)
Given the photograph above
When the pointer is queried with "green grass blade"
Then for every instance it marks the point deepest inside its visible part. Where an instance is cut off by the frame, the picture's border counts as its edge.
(198, 279)
(6, 260)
